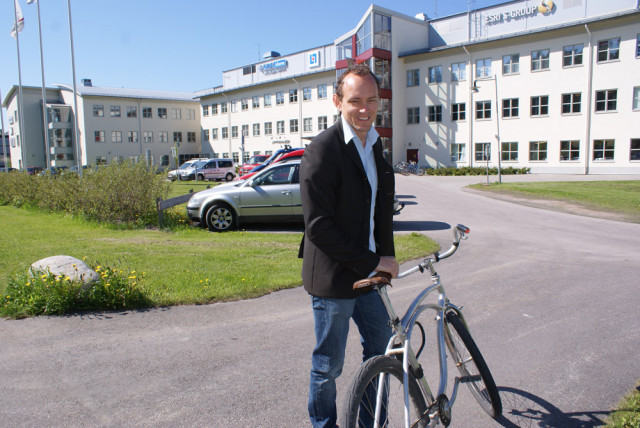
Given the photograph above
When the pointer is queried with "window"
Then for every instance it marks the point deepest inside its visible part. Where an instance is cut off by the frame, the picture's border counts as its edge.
(176, 113)
(191, 114)
(101, 160)
(98, 110)
(435, 113)
(540, 60)
(413, 115)
(458, 111)
(268, 130)
(322, 123)
(293, 125)
(571, 103)
(483, 68)
(308, 124)
(413, 77)
(606, 100)
(256, 130)
(569, 150)
(306, 94)
(255, 102)
(509, 151)
(114, 111)
(483, 152)
(191, 137)
(132, 111)
(214, 108)
(572, 55)
(279, 98)
(214, 133)
(458, 71)
(163, 136)
(637, 45)
(223, 107)
(609, 50)
(280, 127)
(177, 137)
(435, 74)
(162, 113)
(205, 110)
(245, 130)
(322, 91)
(132, 136)
(147, 136)
(234, 131)
(244, 104)
(146, 112)
(636, 98)
(98, 136)
(634, 153)
(225, 132)
(603, 150)
(510, 107)
(234, 107)
(538, 151)
(293, 95)
(267, 100)
(457, 152)
(511, 64)
(116, 136)
(483, 109)
(540, 105)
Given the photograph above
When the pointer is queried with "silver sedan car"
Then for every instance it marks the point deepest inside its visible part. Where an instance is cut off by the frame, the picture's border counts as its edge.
(272, 195)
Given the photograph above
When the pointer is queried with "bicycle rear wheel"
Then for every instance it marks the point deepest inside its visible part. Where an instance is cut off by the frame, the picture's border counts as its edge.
(365, 388)
(472, 366)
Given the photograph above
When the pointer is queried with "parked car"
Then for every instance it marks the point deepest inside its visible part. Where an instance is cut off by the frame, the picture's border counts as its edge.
(273, 195)
(254, 161)
(272, 158)
(216, 169)
(174, 174)
(287, 156)
(53, 170)
(33, 170)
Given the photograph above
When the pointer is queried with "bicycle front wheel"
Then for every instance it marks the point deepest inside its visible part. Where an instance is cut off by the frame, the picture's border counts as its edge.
(379, 383)
(472, 366)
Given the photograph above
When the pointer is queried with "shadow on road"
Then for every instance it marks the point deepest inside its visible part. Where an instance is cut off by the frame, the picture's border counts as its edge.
(419, 226)
(523, 409)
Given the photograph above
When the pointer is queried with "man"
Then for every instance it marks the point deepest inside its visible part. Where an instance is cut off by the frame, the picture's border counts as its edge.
(347, 191)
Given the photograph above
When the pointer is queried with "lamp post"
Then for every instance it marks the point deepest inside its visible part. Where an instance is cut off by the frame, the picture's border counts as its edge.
(475, 89)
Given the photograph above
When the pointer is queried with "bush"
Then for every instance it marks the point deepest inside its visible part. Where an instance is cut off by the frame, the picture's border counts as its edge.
(476, 171)
(123, 192)
(37, 293)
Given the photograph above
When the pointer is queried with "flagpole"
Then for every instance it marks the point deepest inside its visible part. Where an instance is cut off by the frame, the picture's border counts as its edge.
(23, 148)
(75, 98)
(45, 112)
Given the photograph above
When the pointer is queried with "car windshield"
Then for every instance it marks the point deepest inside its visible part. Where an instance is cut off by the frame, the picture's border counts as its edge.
(200, 164)
(257, 159)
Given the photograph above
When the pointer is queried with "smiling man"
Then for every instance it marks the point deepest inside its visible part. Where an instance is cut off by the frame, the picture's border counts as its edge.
(347, 191)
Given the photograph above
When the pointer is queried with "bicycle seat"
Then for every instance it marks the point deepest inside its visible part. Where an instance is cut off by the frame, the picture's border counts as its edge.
(378, 279)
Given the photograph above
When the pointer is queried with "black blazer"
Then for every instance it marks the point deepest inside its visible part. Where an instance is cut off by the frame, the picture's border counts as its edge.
(336, 205)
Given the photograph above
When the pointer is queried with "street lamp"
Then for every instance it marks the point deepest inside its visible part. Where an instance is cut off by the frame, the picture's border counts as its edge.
(475, 89)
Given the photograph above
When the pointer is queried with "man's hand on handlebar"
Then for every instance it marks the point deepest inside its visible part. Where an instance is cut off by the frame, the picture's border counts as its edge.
(388, 264)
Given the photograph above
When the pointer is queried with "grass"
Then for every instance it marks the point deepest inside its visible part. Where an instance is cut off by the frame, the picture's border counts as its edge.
(184, 266)
(627, 413)
(621, 197)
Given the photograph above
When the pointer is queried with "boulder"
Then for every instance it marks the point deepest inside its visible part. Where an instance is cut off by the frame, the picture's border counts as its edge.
(69, 266)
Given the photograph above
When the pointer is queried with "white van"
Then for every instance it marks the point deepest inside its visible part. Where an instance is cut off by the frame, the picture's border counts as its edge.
(217, 169)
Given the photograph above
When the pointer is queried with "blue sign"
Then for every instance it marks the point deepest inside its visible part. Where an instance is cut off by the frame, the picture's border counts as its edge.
(275, 66)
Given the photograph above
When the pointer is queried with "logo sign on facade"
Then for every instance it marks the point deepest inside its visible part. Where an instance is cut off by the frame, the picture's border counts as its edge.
(314, 59)
(545, 7)
(275, 66)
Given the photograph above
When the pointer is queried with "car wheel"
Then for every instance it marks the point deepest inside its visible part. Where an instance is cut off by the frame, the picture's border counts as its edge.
(220, 218)
(229, 177)
(200, 177)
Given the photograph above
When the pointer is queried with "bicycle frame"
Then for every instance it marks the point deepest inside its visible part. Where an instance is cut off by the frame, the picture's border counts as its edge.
(400, 341)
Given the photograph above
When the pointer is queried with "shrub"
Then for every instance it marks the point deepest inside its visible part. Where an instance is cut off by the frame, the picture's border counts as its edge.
(466, 170)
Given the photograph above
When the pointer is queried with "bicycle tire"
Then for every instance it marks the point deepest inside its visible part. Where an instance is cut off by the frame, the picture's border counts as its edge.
(359, 408)
(472, 364)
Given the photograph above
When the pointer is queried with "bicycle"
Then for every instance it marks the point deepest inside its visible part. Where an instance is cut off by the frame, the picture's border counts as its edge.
(392, 389)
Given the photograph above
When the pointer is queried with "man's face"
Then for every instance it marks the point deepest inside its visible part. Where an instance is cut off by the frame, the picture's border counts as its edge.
(359, 103)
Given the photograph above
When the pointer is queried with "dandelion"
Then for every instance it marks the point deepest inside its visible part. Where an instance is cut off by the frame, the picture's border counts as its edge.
(242, 279)
(28, 284)
(44, 276)
(132, 277)
(84, 258)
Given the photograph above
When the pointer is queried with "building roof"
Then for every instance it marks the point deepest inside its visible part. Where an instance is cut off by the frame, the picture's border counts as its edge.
(103, 91)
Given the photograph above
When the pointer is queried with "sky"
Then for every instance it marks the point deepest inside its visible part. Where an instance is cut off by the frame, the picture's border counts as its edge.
(177, 45)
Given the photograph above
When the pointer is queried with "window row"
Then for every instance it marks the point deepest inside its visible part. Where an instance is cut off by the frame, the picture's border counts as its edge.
(147, 112)
(538, 151)
(267, 127)
(571, 103)
(147, 137)
(572, 56)
(280, 97)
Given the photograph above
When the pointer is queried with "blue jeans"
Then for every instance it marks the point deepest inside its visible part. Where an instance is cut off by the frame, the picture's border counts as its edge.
(331, 318)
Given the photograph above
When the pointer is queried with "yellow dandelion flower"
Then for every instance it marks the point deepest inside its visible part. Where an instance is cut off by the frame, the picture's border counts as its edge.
(132, 277)
(28, 284)
(242, 279)
(132, 272)
(67, 279)
(44, 276)
(84, 258)
(107, 284)
(98, 268)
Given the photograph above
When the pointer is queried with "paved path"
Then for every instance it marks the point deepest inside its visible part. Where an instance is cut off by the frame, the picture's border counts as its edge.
(552, 300)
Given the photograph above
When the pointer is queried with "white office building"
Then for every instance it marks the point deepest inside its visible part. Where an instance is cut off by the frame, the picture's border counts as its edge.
(553, 86)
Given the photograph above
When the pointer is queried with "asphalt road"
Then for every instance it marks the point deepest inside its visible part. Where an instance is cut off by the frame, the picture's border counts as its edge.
(551, 298)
